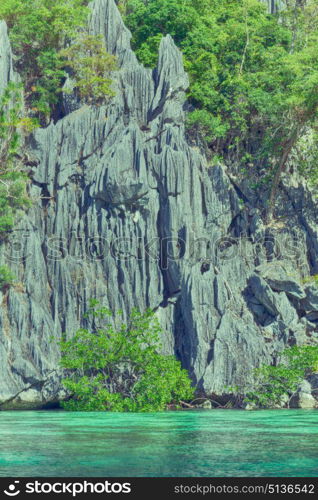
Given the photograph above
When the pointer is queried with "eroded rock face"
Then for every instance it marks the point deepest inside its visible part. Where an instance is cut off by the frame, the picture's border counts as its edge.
(126, 211)
(6, 67)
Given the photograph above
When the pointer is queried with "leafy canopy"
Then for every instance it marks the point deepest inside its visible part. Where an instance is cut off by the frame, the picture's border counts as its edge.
(13, 179)
(272, 383)
(120, 368)
(91, 64)
(6, 278)
(254, 76)
(38, 30)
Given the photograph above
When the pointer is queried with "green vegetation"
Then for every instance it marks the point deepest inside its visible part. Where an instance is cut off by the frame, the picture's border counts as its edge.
(6, 277)
(254, 76)
(13, 179)
(311, 280)
(91, 64)
(38, 29)
(273, 383)
(120, 368)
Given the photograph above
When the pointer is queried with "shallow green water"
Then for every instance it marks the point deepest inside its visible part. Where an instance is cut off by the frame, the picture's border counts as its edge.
(192, 443)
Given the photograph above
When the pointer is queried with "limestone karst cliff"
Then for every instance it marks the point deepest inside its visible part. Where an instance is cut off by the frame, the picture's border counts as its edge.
(127, 211)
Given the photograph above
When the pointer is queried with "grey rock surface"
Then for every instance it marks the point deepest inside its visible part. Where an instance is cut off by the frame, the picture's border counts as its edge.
(7, 73)
(304, 401)
(304, 398)
(274, 5)
(126, 211)
(313, 381)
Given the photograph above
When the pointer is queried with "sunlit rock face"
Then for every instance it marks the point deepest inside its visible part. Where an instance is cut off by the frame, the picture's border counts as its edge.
(274, 5)
(125, 210)
(7, 73)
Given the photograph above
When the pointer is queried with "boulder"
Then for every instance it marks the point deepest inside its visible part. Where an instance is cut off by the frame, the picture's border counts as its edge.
(206, 405)
(281, 278)
(250, 407)
(276, 305)
(313, 381)
(303, 398)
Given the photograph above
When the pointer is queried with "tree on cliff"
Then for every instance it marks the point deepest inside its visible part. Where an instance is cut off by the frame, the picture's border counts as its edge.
(13, 179)
(121, 368)
(38, 30)
(254, 76)
(91, 65)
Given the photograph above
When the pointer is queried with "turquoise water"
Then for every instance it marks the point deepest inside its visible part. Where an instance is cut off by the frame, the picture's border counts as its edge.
(215, 443)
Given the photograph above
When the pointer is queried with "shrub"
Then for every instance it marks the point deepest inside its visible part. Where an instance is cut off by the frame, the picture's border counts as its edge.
(13, 179)
(91, 65)
(120, 368)
(253, 76)
(6, 277)
(38, 29)
(273, 382)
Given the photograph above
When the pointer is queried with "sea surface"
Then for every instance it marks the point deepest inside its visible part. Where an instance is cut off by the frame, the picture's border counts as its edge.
(217, 443)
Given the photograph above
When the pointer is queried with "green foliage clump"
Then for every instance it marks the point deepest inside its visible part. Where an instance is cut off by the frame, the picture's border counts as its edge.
(13, 179)
(121, 368)
(6, 277)
(272, 383)
(91, 64)
(38, 30)
(254, 76)
(231, 49)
